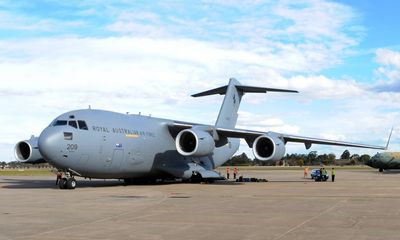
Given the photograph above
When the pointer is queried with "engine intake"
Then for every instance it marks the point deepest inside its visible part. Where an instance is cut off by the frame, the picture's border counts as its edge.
(268, 148)
(27, 151)
(194, 142)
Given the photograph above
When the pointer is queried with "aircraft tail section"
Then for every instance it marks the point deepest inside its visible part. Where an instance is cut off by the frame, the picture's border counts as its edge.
(233, 92)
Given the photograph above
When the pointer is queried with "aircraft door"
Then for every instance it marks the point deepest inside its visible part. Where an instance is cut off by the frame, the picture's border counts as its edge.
(116, 160)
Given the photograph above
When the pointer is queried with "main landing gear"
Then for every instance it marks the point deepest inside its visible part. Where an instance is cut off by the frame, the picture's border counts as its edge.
(67, 181)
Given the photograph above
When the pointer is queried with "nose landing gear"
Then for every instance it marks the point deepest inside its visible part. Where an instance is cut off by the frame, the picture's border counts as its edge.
(67, 181)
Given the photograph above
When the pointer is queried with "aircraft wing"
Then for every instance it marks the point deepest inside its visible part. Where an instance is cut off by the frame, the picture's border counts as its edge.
(250, 136)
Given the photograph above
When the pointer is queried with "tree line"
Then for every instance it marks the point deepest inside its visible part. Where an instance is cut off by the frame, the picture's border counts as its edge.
(295, 159)
(17, 164)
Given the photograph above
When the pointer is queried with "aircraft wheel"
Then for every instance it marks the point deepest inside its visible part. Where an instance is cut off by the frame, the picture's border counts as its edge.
(380, 169)
(71, 183)
(62, 184)
(128, 181)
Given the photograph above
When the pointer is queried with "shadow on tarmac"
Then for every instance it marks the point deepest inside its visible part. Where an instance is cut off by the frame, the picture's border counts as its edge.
(391, 171)
(12, 183)
(41, 184)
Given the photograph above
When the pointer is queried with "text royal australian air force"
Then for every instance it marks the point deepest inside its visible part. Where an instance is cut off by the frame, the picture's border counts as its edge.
(127, 132)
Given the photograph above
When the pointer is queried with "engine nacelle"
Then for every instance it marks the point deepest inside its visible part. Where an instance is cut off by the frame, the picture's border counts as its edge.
(27, 151)
(194, 142)
(266, 148)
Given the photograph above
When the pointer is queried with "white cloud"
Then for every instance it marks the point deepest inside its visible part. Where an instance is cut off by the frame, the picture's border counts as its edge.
(389, 71)
(325, 88)
(262, 122)
(316, 19)
(15, 22)
(388, 57)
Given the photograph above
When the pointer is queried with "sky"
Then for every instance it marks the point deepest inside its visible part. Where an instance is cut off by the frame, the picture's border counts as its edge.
(149, 56)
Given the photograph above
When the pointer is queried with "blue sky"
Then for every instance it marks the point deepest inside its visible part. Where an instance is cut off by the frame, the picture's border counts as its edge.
(149, 56)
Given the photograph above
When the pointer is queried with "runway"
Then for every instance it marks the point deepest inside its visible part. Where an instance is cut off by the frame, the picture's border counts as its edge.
(359, 205)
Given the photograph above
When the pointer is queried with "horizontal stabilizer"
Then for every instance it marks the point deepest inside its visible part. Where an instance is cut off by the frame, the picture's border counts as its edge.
(250, 89)
(241, 88)
(220, 90)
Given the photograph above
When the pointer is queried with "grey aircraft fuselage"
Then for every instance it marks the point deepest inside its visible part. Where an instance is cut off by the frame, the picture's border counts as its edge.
(122, 146)
(103, 144)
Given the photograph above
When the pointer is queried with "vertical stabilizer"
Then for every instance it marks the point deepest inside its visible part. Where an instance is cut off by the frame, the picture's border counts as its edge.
(228, 115)
(234, 92)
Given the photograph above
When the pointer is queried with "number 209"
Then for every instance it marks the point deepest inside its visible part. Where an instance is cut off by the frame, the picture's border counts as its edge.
(72, 147)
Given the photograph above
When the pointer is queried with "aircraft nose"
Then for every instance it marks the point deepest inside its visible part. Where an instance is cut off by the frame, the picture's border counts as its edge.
(372, 161)
(49, 144)
(369, 162)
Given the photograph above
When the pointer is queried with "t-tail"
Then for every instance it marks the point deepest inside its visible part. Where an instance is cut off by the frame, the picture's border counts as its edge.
(234, 92)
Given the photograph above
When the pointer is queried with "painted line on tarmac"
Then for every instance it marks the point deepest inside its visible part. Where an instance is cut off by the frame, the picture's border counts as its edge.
(310, 219)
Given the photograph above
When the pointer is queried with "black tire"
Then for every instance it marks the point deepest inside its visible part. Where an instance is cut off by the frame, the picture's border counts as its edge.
(62, 184)
(128, 181)
(71, 183)
(380, 169)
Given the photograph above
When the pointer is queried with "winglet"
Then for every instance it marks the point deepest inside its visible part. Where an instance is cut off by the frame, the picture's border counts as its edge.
(388, 141)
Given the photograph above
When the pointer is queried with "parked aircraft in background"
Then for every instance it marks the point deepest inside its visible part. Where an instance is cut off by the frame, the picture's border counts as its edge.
(103, 144)
(385, 161)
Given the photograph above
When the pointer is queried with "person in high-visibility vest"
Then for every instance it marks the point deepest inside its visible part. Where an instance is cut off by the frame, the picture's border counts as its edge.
(235, 172)
(227, 172)
(305, 172)
(324, 172)
(333, 174)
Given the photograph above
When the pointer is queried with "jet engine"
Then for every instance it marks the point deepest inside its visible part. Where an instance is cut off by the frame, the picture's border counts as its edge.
(194, 142)
(27, 151)
(266, 148)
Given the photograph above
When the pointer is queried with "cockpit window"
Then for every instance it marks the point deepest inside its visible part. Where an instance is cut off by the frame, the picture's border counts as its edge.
(60, 123)
(82, 125)
(73, 124)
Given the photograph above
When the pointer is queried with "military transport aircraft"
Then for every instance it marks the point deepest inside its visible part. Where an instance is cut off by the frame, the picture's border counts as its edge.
(103, 144)
(385, 161)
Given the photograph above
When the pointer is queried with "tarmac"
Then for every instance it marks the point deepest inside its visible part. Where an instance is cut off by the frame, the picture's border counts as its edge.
(358, 205)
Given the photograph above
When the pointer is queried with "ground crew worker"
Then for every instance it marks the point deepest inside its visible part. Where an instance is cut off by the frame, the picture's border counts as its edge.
(333, 174)
(227, 172)
(320, 174)
(235, 172)
(324, 174)
(305, 172)
(59, 176)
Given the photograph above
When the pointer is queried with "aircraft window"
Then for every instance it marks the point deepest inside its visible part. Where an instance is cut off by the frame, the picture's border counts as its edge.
(82, 125)
(73, 124)
(67, 135)
(60, 123)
